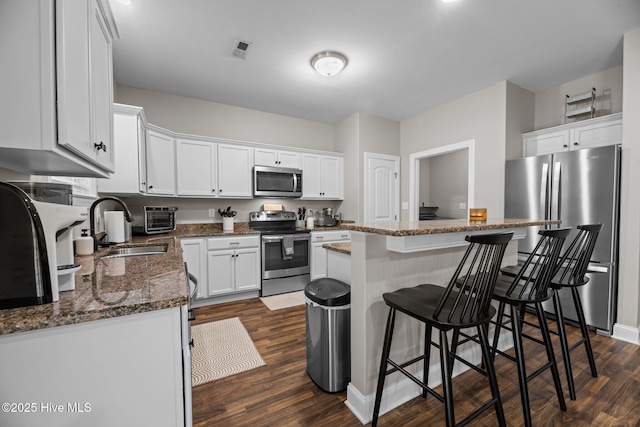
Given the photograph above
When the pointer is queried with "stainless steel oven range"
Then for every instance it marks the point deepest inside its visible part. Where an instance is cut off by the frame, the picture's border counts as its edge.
(285, 252)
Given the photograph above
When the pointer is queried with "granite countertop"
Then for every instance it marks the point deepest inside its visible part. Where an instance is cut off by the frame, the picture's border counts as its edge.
(416, 228)
(341, 247)
(113, 287)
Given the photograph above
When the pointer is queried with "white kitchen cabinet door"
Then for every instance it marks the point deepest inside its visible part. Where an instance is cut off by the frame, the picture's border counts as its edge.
(221, 272)
(277, 158)
(318, 261)
(332, 178)
(85, 83)
(195, 255)
(322, 177)
(196, 168)
(319, 255)
(235, 163)
(247, 269)
(129, 141)
(266, 157)
(161, 175)
(547, 143)
(597, 134)
(289, 159)
(102, 89)
(311, 177)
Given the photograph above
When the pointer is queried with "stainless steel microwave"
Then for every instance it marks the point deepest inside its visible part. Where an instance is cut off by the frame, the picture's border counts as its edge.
(154, 220)
(269, 181)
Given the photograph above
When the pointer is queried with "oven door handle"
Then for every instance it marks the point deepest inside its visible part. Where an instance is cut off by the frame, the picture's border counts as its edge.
(271, 239)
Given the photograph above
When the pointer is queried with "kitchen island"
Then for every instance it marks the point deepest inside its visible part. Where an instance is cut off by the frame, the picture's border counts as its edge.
(389, 256)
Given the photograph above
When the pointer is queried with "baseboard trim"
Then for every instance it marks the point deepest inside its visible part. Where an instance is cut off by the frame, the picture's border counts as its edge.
(626, 333)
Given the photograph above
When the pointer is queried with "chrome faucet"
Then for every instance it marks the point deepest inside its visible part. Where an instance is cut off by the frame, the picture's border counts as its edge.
(92, 216)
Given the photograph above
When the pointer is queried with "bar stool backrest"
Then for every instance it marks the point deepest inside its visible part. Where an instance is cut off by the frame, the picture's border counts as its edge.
(573, 264)
(477, 272)
(533, 280)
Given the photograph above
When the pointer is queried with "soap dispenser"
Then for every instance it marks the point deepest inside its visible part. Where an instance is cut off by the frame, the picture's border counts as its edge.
(84, 243)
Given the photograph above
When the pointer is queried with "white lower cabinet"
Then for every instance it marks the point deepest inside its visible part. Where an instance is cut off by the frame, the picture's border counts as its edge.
(223, 265)
(122, 371)
(319, 266)
(194, 253)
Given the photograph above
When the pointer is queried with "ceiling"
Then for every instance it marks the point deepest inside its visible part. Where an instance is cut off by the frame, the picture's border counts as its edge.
(405, 56)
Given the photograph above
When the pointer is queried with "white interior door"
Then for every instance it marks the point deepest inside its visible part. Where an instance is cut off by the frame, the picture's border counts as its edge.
(382, 188)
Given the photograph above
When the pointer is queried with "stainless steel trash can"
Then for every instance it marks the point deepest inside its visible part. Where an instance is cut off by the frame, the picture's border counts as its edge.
(328, 322)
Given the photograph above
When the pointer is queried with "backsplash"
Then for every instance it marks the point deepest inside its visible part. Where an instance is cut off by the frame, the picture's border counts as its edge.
(196, 211)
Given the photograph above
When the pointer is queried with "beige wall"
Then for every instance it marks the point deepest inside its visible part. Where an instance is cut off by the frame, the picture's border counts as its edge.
(479, 116)
(550, 103)
(347, 142)
(193, 116)
(355, 136)
(520, 118)
(628, 322)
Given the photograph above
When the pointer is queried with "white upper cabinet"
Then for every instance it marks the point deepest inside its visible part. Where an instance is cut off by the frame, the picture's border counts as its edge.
(161, 164)
(234, 171)
(196, 168)
(278, 158)
(207, 169)
(56, 114)
(129, 147)
(322, 177)
(601, 131)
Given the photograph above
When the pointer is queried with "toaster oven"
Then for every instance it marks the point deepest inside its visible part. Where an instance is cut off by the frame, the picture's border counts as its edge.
(154, 220)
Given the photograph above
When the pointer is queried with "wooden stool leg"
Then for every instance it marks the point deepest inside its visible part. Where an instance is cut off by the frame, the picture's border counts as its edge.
(447, 386)
(491, 374)
(386, 348)
(550, 355)
(516, 331)
(564, 344)
(585, 331)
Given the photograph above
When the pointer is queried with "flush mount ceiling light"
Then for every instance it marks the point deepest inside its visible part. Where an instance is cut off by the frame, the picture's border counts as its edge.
(329, 63)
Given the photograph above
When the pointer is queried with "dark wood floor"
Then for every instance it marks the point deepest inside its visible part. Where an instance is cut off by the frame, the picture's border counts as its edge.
(282, 394)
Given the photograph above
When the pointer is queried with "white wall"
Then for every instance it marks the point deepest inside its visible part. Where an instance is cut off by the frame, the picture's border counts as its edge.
(347, 142)
(193, 116)
(550, 103)
(448, 182)
(479, 116)
(628, 323)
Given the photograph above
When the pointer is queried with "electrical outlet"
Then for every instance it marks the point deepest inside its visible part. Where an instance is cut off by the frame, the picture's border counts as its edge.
(462, 206)
(212, 213)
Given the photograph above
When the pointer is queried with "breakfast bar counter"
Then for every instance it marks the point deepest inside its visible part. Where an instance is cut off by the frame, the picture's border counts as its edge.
(389, 256)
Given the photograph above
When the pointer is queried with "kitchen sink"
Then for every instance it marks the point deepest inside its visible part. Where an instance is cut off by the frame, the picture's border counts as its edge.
(136, 251)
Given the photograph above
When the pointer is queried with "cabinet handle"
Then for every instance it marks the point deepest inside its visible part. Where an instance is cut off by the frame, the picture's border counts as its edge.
(144, 183)
(564, 145)
(575, 143)
(100, 146)
(150, 187)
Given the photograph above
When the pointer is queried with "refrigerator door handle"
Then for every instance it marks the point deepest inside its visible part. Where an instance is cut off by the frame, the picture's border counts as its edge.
(544, 188)
(555, 192)
(595, 268)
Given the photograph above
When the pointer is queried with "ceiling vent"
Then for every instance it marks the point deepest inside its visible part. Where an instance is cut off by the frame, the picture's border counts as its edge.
(240, 48)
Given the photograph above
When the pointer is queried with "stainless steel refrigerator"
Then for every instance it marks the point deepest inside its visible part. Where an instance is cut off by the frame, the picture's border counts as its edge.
(577, 187)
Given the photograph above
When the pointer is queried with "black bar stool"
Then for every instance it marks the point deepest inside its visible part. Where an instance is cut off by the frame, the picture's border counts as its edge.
(450, 309)
(571, 274)
(530, 286)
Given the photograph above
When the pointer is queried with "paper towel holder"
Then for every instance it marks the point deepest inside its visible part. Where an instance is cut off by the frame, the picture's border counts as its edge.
(92, 216)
